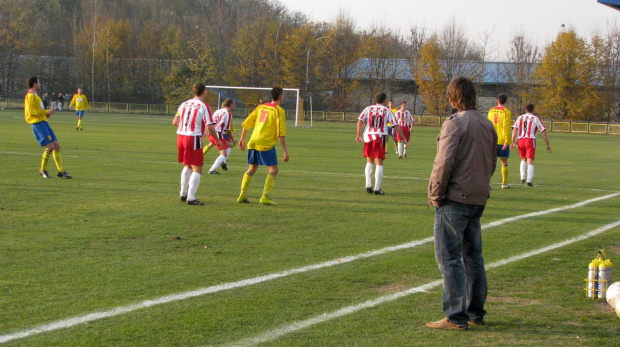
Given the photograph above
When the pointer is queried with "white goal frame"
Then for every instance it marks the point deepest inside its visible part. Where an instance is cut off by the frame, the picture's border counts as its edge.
(296, 90)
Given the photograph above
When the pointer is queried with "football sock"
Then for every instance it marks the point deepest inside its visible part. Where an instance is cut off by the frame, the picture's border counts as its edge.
(79, 122)
(194, 182)
(504, 174)
(395, 146)
(400, 149)
(207, 148)
(245, 183)
(46, 158)
(185, 173)
(378, 176)
(368, 173)
(530, 173)
(221, 159)
(58, 160)
(269, 183)
(523, 169)
(228, 152)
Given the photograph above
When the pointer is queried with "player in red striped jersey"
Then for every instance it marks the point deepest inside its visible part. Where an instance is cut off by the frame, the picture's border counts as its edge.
(526, 126)
(405, 122)
(223, 121)
(375, 118)
(192, 119)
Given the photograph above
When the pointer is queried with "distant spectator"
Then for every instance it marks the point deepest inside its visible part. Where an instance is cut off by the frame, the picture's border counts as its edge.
(46, 101)
(61, 99)
(54, 99)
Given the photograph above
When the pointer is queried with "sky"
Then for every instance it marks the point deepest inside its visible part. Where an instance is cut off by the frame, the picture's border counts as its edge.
(539, 20)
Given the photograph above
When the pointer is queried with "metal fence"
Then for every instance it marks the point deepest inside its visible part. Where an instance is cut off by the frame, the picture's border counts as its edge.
(577, 127)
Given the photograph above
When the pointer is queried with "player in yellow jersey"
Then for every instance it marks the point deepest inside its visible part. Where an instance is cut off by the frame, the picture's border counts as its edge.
(36, 115)
(501, 118)
(81, 103)
(390, 131)
(269, 123)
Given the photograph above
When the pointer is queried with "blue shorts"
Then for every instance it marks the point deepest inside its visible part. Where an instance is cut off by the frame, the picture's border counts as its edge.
(268, 158)
(501, 153)
(43, 133)
(389, 131)
(79, 113)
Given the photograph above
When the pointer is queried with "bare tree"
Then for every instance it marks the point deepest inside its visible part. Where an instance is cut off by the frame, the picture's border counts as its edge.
(415, 41)
(457, 51)
(523, 58)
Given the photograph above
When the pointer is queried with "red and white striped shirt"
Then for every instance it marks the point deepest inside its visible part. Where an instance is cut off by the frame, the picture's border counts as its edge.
(527, 125)
(222, 118)
(195, 116)
(404, 118)
(376, 118)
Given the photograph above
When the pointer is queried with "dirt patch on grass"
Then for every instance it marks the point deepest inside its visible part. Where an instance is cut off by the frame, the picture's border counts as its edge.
(391, 288)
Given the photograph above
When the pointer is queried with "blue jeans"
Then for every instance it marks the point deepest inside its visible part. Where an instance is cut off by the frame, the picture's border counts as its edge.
(458, 251)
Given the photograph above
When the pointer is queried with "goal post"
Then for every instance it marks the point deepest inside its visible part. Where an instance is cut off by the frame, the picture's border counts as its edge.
(249, 96)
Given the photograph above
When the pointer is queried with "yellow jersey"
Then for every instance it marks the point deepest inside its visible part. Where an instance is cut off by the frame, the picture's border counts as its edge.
(502, 121)
(34, 110)
(269, 123)
(394, 113)
(80, 102)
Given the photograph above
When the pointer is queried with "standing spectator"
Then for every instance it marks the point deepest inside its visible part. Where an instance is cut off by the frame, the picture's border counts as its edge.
(526, 127)
(42, 130)
(374, 119)
(46, 101)
(501, 118)
(269, 123)
(459, 188)
(54, 99)
(81, 103)
(192, 119)
(405, 122)
(61, 99)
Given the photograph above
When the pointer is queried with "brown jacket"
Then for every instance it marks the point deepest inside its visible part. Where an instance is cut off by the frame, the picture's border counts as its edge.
(465, 161)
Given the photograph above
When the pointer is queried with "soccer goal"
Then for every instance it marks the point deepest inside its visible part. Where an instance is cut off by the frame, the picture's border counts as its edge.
(247, 98)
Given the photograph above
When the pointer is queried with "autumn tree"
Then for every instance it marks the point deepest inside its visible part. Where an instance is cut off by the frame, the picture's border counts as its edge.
(430, 78)
(414, 42)
(606, 49)
(567, 79)
(337, 52)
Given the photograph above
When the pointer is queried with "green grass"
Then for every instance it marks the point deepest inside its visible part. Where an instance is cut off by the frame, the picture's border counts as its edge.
(116, 235)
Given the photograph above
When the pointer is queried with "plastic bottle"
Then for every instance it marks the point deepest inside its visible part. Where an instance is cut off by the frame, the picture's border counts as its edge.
(605, 269)
(592, 274)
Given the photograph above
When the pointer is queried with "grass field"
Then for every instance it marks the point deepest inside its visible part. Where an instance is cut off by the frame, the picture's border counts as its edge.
(116, 235)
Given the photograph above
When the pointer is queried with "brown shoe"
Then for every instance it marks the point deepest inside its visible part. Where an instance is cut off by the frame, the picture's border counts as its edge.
(445, 324)
(476, 324)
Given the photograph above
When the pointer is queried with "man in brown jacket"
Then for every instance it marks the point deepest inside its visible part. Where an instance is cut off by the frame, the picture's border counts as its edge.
(458, 189)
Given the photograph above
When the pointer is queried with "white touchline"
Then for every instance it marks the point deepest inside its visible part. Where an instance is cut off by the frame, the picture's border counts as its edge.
(73, 321)
(293, 327)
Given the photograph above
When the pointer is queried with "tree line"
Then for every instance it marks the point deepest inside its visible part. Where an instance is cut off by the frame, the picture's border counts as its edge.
(150, 51)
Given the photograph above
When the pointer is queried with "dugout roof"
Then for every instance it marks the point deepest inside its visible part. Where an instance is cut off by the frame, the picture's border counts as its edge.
(611, 3)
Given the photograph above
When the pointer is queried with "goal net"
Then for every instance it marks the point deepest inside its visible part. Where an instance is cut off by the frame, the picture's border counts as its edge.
(247, 98)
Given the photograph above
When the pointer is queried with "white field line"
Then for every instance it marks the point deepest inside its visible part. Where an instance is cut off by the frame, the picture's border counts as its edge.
(272, 335)
(73, 321)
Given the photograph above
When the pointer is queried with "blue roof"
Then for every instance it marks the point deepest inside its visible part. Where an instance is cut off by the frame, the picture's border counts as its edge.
(611, 3)
(400, 70)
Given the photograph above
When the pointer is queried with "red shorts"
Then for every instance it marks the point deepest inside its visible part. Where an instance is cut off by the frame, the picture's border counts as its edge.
(374, 149)
(214, 142)
(527, 148)
(406, 132)
(190, 150)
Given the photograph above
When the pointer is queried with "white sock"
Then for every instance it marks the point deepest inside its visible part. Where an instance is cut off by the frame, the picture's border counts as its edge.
(194, 182)
(523, 169)
(400, 149)
(228, 152)
(221, 159)
(368, 173)
(185, 173)
(530, 173)
(405, 149)
(378, 176)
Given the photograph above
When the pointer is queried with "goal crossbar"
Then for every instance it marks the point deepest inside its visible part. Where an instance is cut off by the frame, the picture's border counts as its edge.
(296, 90)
